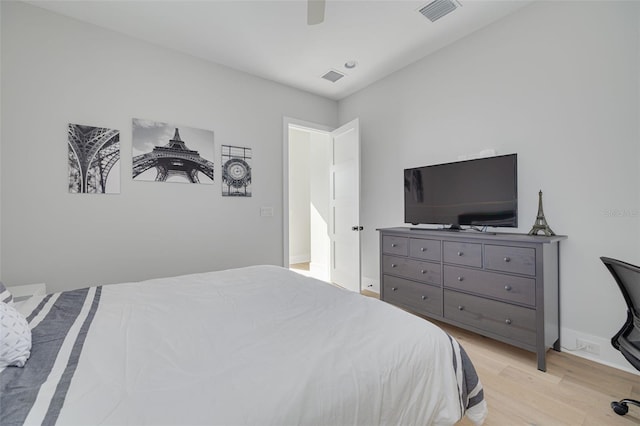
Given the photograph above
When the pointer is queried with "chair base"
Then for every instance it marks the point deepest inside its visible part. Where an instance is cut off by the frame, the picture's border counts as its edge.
(621, 407)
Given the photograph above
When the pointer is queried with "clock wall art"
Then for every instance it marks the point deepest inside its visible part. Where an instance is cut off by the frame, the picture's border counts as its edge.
(236, 171)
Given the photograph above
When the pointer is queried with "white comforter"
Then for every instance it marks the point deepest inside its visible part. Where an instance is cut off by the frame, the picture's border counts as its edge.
(252, 346)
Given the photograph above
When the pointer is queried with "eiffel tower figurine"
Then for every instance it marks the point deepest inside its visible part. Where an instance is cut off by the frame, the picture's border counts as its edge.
(541, 222)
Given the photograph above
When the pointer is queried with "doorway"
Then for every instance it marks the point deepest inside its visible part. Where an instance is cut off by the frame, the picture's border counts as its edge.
(321, 201)
(309, 167)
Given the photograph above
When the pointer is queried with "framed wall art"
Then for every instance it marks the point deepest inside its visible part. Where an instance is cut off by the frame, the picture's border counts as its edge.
(236, 171)
(165, 152)
(94, 160)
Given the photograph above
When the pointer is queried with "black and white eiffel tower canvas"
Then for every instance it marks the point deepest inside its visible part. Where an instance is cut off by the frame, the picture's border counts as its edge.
(165, 152)
(94, 159)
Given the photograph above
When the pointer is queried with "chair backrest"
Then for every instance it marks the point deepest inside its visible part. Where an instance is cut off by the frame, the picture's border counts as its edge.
(628, 278)
(627, 340)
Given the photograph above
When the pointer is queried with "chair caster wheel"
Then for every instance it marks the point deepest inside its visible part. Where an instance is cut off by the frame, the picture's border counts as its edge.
(620, 408)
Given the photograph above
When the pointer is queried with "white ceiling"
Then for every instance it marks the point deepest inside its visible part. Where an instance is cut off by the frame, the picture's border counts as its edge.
(271, 39)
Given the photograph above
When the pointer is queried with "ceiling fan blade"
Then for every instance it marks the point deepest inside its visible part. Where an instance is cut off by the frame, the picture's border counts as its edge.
(315, 11)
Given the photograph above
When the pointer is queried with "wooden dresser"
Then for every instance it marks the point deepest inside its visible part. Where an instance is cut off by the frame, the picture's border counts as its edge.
(503, 286)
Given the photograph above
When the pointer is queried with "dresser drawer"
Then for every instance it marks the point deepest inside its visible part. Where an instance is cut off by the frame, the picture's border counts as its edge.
(398, 266)
(468, 254)
(425, 249)
(500, 286)
(428, 272)
(520, 260)
(395, 245)
(412, 269)
(509, 321)
(415, 296)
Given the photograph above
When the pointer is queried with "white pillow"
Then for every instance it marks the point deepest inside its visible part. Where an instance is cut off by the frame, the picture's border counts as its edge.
(15, 337)
(5, 295)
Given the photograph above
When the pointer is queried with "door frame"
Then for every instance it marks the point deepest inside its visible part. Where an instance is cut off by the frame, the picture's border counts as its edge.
(287, 123)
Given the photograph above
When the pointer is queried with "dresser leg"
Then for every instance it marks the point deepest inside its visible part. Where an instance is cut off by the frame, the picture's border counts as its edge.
(542, 362)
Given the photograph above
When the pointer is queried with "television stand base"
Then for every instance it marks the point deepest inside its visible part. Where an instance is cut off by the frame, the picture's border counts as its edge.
(437, 229)
(452, 228)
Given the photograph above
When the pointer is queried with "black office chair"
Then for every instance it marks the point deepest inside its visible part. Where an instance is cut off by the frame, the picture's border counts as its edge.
(627, 340)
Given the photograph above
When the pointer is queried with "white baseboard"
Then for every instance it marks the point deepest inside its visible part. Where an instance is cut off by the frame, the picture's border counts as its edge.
(371, 284)
(607, 354)
(299, 258)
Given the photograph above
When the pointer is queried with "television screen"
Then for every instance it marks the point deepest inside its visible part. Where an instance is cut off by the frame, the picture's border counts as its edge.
(480, 192)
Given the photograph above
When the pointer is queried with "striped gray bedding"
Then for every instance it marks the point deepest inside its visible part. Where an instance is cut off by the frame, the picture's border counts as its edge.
(469, 386)
(47, 390)
(55, 317)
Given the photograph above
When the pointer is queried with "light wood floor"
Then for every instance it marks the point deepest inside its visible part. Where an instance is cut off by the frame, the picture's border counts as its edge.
(300, 266)
(573, 391)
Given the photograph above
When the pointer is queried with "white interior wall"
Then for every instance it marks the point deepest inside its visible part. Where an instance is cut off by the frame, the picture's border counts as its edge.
(56, 71)
(299, 199)
(319, 168)
(0, 144)
(557, 83)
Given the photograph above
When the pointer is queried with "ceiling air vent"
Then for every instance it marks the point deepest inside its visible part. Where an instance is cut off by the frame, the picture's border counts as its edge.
(333, 76)
(438, 8)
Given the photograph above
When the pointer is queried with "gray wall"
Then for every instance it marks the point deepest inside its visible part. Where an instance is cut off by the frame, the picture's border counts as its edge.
(557, 83)
(56, 71)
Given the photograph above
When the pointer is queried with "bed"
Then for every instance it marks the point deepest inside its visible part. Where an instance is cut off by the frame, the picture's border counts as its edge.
(260, 345)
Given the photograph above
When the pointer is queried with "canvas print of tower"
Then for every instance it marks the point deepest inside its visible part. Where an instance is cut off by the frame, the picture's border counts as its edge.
(94, 160)
(169, 153)
(236, 171)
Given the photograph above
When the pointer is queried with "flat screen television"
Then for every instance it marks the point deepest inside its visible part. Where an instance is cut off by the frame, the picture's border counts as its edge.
(479, 192)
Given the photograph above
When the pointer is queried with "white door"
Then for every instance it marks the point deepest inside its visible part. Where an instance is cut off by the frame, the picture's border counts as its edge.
(345, 206)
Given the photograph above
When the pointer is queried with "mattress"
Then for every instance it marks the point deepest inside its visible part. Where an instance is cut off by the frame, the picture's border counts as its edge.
(260, 345)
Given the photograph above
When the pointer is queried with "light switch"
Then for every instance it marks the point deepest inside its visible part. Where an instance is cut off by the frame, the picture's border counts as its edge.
(266, 211)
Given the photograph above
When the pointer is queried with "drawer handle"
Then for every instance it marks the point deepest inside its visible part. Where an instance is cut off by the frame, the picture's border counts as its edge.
(394, 245)
(507, 287)
(460, 253)
(507, 259)
(424, 297)
(393, 265)
(460, 278)
(422, 271)
(423, 249)
(507, 321)
(394, 288)
(460, 308)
